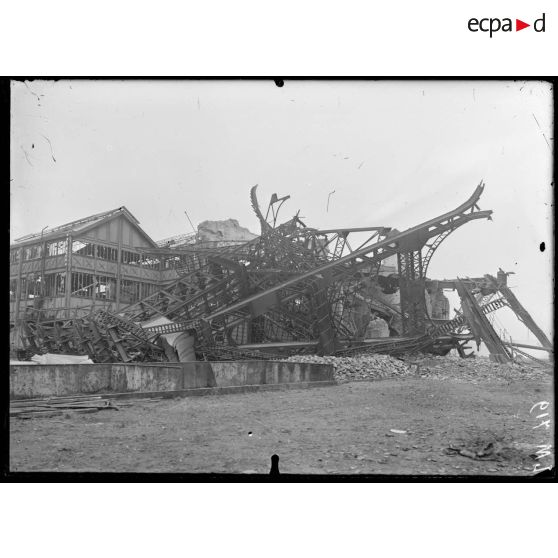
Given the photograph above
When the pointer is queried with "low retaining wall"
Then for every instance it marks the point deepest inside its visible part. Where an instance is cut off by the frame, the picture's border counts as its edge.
(46, 380)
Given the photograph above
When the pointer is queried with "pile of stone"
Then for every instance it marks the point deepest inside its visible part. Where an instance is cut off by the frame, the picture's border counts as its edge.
(475, 369)
(365, 367)
(472, 370)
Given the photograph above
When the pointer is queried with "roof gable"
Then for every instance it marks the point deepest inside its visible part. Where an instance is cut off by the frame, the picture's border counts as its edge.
(84, 225)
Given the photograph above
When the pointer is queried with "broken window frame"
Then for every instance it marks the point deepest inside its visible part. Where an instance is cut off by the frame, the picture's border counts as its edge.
(82, 284)
(130, 258)
(171, 262)
(106, 253)
(55, 284)
(130, 291)
(13, 289)
(151, 263)
(23, 289)
(32, 252)
(134, 258)
(32, 282)
(85, 249)
(57, 248)
(105, 287)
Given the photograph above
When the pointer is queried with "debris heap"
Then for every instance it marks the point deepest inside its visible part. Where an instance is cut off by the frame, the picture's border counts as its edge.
(477, 369)
(366, 367)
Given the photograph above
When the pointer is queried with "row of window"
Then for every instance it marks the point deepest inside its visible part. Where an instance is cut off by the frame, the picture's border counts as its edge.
(133, 258)
(57, 248)
(83, 285)
(94, 251)
(35, 251)
(88, 286)
(33, 286)
(99, 251)
(80, 248)
(60, 247)
(32, 252)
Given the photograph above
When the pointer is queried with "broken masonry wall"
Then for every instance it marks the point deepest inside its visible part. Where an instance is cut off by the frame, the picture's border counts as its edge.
(377, 327)
(220, 233)
(439, 305)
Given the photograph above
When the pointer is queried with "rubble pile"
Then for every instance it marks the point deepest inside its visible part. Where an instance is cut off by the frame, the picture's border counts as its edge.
(475, 369)
(365, 367)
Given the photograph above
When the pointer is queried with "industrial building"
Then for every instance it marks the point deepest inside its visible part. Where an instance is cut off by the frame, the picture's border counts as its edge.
(104, 261)
(91, 262)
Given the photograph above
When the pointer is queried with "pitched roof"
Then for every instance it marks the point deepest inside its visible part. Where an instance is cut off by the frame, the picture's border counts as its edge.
(81, 225)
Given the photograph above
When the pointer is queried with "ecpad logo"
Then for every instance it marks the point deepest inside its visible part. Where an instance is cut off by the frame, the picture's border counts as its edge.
(493, 25)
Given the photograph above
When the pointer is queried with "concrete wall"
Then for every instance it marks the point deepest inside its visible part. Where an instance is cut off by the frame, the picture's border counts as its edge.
(32, 381)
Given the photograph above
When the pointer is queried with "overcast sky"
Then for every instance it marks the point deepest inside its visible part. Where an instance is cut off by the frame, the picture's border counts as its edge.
(397, 153)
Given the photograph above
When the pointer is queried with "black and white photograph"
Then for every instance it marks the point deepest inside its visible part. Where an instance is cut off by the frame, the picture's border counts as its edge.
(335, 278)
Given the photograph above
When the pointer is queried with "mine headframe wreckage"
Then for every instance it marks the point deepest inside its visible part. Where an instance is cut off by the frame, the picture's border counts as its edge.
(295, 290)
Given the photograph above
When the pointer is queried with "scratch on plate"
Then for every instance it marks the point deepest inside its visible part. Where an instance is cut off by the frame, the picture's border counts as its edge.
(51, 150)
(539, 127)
(536, 120)
(26, 156)
(33, 93)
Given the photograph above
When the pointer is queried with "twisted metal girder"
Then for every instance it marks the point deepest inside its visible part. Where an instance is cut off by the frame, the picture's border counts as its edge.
(410, 240)
(431, 248)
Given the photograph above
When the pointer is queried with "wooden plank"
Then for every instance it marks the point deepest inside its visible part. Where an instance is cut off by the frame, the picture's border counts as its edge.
(24, 406)
(56, 398)
(31, 404)
(37, 414)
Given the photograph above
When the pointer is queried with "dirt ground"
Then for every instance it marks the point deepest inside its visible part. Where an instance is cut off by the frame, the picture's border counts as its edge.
(342, 429)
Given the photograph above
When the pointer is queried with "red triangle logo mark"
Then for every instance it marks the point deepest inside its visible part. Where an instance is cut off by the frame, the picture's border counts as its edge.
(519, 25)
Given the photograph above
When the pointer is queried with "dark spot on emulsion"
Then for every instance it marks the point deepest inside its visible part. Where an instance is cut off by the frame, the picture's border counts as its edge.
(274, 465)
(279, 82)
(542, 247)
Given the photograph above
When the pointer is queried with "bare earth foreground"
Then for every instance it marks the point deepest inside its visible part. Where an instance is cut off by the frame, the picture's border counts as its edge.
(343, 429)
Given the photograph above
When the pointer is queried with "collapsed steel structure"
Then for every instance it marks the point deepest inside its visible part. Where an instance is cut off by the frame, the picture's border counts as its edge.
(292, 290)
